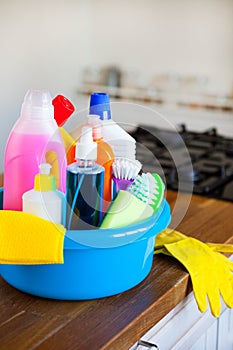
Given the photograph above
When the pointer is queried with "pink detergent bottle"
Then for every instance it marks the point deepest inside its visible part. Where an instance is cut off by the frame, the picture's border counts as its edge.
(34, 139)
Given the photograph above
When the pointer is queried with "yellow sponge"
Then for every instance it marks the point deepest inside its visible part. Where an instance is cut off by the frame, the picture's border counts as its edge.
(29, 240)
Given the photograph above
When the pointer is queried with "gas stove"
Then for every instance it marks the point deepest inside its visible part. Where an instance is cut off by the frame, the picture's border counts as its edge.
(202, 162)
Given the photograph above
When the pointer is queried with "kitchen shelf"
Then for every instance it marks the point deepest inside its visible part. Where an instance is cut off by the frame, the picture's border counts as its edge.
(156, 95)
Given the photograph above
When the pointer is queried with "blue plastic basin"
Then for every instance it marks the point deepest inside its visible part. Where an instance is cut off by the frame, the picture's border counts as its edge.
(97, 263)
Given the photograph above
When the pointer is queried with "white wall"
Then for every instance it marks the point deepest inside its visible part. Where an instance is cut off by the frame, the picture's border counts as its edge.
(154, 36)
(44, 44)
(47, 43)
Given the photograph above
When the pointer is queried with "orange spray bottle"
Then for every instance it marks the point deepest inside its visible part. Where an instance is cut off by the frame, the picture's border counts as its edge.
(105, 156)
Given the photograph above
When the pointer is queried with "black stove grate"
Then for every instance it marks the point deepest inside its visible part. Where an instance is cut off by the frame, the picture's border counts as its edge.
(163, 152)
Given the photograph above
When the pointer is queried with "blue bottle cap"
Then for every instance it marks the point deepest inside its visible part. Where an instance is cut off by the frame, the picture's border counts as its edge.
(100, 105)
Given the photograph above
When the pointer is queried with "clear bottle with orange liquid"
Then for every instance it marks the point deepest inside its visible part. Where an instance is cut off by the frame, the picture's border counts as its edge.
(105, 157)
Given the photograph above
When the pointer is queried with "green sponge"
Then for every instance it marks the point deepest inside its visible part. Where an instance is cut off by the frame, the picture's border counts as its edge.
(126, 209)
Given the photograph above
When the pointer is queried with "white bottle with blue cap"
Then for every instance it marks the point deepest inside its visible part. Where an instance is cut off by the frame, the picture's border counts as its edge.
(122, 144)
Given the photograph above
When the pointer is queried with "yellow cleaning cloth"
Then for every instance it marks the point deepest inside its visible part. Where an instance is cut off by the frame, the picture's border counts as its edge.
(211, 272)
(29, 240)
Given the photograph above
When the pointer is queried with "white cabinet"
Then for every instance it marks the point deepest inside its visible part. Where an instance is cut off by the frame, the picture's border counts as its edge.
(185, 328)
(225, 331)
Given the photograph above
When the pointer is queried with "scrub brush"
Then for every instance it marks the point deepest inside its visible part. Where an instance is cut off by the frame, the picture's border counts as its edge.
(124, 172)
(149, 188)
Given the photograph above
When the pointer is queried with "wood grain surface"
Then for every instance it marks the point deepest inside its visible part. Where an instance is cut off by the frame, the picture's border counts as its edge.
(117, 322)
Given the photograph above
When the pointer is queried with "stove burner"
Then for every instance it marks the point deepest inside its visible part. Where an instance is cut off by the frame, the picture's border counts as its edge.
(186, 174)
(211, 173)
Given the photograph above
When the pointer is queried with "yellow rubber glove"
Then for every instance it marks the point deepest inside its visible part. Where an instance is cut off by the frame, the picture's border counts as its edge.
(171, 236)
(210, 272)
(167, 236)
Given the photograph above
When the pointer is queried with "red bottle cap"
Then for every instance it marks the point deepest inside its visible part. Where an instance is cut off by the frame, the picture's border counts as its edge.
(63, 109)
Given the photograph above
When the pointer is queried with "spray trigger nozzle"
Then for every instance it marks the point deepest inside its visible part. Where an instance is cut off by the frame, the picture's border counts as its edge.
(86, 148)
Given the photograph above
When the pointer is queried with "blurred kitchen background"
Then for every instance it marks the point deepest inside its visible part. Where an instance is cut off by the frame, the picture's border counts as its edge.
(175, 56)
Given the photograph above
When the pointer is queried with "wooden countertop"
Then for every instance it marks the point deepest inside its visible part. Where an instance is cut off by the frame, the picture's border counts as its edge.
(28, 322)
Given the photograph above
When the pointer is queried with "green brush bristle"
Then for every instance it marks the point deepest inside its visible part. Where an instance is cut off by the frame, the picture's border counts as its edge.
(157, 191)
(149, 188)
(140, 188)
